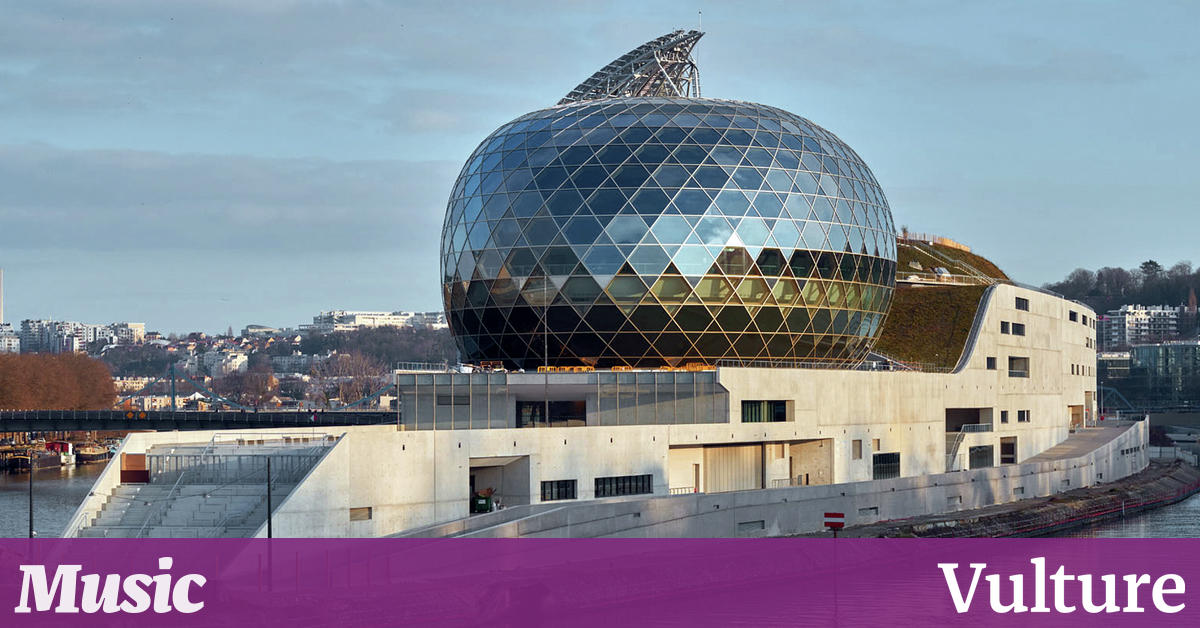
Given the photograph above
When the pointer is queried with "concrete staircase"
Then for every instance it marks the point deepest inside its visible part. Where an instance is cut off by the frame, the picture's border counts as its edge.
(206, 491)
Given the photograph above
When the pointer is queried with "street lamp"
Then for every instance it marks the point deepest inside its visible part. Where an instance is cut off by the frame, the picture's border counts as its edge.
(29, 441)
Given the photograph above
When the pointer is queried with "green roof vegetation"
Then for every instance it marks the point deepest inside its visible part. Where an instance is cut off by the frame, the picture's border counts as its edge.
(957, 261)
(929, 325)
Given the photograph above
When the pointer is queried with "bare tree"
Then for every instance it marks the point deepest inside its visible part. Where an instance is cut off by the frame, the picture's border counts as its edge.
(347, 377)
(253, 388)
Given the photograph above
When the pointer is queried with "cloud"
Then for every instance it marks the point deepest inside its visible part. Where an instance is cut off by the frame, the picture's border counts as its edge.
(851, 55)
(127, 200)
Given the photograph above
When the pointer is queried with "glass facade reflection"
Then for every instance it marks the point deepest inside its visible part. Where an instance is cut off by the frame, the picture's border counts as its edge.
(660, 231)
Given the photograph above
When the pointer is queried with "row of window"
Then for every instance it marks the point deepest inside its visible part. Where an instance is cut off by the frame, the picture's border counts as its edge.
(1017, 366)
(554, 490)
(1022, 416)
(1082, 369)
(1130, 450)
(1016, 329)
(1084, 319)
(856, 448)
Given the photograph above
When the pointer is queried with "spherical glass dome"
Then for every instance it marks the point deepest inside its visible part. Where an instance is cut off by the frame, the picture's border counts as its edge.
(661, 231)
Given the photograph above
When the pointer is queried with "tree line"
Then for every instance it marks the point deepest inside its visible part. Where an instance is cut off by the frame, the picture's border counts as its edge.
(39, 381)
(1149, 284)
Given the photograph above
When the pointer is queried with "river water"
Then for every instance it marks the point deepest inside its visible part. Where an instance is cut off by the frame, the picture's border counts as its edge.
(56, 495)
(1180, 520)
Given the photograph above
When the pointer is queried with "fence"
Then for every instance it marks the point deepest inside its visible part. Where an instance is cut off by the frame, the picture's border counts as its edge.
(210, 468)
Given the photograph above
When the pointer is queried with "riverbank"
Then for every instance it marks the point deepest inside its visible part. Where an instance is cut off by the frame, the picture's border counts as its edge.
(1161, 484)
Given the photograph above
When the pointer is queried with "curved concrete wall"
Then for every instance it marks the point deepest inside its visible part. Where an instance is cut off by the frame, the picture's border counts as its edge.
(799, 510)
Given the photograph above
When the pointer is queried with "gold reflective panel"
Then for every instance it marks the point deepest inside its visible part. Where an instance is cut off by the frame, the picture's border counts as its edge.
(714, 289)
(626, 289)
(785, 291)
(752, 290)
(852, 296)
(835, 294)
(671, 289)
(813, 294)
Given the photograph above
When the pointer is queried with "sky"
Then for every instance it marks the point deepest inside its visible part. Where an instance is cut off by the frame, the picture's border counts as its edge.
(201, 164)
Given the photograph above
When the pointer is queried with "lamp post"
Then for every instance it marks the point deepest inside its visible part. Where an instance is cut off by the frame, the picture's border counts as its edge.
(29, 441)
(269, 518)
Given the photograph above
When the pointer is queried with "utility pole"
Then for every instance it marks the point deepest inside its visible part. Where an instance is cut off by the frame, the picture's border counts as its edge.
(172, 369)
(30, 443)
(269, 518)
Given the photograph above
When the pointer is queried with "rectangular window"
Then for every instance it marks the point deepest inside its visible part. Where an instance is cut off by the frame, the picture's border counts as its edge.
(856, 450)
(1074, 316)
(360, 514)
(1018, 367)
(558, 489)
(1004, 416)
(1008, 450)
(981, 456)
(1022, 416)
(454, 400)
(764, 411)
(884, 466)
(1004, 327)
(1018, 329)
(561, 413)
(991, 364)
(625, 485)
(875, 444)
(1022, 304)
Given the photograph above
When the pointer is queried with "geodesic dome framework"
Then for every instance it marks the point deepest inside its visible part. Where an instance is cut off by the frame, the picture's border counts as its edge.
(658, 231)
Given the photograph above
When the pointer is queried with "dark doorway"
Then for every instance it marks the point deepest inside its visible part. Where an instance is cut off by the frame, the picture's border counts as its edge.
(1008, 450)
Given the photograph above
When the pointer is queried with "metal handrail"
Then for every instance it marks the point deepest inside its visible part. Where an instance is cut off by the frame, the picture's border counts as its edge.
(170, 494)
(948, 279)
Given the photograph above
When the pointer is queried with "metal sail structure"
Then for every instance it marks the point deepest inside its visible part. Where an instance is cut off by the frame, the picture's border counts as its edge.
(660, 67)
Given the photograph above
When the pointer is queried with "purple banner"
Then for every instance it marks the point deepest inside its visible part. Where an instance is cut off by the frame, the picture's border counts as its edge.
(633, 582)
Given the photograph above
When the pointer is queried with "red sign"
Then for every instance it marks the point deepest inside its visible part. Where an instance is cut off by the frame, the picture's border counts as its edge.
(835, 520)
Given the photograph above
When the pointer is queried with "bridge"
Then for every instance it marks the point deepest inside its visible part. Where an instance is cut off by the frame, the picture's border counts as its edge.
(166, 420)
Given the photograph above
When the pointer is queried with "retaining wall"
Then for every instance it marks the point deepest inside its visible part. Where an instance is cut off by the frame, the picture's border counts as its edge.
(799, 510)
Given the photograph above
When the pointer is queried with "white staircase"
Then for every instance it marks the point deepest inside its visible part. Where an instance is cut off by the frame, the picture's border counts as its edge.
(206, 490)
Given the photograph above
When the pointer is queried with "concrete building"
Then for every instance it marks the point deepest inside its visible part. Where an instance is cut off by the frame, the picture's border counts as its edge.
(10, 342)
(347, 320)
(682, 336)
(1138, 324)
(1161, 376)
(221, 363)
(260, 331)
(297, 363)
(127, 333)
(52, 336)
